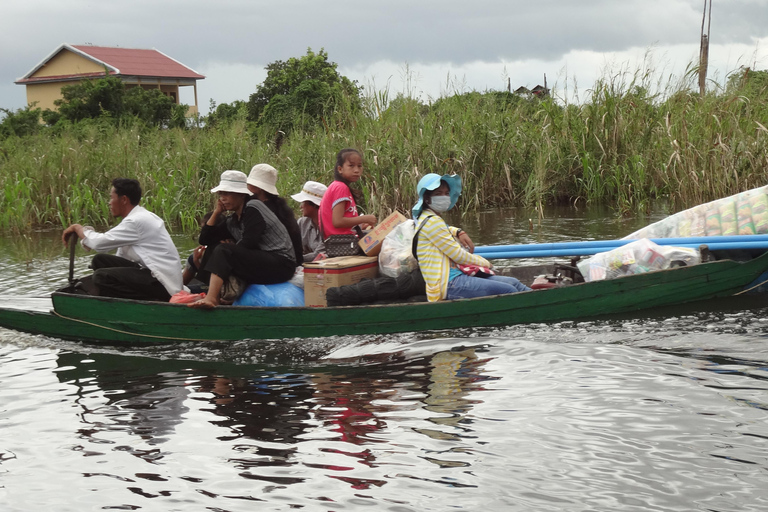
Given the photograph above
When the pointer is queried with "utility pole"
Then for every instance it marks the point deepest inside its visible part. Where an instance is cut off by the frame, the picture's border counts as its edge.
(704, 50)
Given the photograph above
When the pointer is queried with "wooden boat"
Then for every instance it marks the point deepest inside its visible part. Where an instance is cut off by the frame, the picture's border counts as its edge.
(98, 319)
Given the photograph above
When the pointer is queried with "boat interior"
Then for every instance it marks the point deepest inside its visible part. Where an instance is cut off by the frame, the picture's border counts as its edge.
(410, 287)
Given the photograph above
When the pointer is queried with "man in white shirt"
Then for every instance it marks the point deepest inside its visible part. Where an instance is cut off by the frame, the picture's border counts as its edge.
(147, 265)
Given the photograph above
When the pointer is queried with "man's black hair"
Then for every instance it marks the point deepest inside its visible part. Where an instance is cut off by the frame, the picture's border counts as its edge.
(129, 188)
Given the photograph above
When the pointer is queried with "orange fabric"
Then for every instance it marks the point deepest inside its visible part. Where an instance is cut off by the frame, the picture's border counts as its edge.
(184, 297)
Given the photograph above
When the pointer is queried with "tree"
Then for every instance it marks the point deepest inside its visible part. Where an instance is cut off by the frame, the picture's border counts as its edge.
(154, 108)
(108, 97)
(25, 121)
(226, 113)
(302, 90)
(91, 99)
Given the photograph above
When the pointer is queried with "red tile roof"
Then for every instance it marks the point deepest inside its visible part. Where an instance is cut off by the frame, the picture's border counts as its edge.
(135, 62)
(122, 62)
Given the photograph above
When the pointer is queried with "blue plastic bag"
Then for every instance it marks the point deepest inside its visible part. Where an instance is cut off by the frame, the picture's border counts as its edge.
(271, 295)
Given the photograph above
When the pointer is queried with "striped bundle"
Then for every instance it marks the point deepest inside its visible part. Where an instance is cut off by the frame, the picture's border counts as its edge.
(741, 214)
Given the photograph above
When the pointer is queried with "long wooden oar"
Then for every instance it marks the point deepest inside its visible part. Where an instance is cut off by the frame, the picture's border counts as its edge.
(72, 245)
(595, 246)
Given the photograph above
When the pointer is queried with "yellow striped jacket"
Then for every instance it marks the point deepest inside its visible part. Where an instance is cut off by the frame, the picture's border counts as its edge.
(438, 250)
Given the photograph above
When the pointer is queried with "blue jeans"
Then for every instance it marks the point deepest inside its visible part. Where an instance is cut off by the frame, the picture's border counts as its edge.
(466, 287)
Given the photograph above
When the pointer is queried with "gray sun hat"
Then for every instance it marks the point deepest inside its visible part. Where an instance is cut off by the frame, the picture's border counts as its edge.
(264, 176)
(232, 181)
(312, 191)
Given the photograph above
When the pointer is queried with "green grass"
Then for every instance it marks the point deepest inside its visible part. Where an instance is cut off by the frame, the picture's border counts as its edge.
(622, 146)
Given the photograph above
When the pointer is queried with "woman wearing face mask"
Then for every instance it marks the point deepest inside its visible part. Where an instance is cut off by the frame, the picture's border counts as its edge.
(440, 248)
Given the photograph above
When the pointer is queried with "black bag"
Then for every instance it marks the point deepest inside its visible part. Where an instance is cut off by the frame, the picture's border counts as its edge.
(231, 290)
(342, 245)
(408, 287)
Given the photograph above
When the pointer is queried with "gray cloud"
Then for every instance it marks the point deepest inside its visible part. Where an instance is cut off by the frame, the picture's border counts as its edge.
(200, 33)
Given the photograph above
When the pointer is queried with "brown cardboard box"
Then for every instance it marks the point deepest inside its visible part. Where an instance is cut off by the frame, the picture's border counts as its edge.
(333, 272)
(371, 243)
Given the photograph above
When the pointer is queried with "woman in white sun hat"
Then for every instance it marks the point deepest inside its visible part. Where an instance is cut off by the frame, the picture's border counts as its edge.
(262, 252)
(309, 225)
(262, 183)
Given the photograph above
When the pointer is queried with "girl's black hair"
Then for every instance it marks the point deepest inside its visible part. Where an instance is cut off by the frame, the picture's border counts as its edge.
(341, 157)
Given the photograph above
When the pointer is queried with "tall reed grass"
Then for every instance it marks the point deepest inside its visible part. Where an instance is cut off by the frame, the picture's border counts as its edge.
(627, 142)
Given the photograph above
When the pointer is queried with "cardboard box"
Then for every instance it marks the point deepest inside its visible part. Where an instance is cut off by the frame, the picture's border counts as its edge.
(333, 272)
(371, 242)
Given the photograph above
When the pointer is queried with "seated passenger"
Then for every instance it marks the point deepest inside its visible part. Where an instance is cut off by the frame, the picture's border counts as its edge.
(261, 183)
(441, 248)
(192, 268)
(146, 265)
(262, 252)
(194, 277)
(338, 209)
(309, 225)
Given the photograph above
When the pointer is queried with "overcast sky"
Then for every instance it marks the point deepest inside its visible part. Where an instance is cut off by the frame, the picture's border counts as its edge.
(427, 48)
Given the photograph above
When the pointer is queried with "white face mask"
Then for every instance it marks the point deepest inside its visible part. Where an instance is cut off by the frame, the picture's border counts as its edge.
(440, 204)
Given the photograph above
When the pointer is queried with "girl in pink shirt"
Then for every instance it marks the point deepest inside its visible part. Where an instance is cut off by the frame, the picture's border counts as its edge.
(338, 210)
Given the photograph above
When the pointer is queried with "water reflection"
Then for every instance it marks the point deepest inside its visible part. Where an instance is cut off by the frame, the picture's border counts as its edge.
(598, 416)
(265, 415)
(265, 407)
(147, 407)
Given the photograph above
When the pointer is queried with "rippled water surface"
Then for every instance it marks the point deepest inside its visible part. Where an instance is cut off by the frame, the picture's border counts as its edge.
(664, 411)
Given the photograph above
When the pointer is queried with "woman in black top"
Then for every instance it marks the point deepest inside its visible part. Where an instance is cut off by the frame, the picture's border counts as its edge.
(262, 183)
(262, 252)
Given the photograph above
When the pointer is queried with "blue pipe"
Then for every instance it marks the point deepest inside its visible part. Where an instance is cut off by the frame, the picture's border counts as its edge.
(610, 244)
(586, 251)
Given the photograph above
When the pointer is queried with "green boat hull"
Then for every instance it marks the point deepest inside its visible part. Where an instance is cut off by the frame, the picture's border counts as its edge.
(99, 319)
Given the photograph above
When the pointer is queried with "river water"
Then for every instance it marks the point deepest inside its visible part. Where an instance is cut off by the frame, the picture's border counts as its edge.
(666, 411)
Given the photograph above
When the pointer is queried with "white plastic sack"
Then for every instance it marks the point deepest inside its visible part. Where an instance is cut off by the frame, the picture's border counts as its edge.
(298, 277)
(396, 256)
(635, 258)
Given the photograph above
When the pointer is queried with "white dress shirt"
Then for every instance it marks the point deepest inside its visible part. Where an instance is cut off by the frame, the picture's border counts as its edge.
(142, 237)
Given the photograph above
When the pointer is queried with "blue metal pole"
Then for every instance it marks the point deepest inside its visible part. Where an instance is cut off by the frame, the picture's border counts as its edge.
(604, 245)
(586, 251)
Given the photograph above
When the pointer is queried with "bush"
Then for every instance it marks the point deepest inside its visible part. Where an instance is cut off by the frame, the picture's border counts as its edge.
(750, 83)
(23, 122)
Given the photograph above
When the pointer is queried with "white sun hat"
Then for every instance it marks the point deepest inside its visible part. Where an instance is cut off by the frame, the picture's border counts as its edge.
(264, 176)
(311, 191)
(232, 181)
